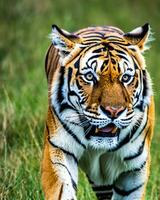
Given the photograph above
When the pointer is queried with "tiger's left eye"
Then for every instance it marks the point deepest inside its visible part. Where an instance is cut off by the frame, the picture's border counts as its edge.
(126, 78)
(89, 76)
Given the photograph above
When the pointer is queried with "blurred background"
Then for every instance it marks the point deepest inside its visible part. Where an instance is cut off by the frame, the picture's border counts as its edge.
(24, 29)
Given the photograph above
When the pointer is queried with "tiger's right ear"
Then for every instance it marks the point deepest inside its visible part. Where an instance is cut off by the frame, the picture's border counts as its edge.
(63, 40)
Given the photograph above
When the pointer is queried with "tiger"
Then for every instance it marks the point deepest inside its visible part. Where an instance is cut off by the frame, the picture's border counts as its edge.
(100, 113)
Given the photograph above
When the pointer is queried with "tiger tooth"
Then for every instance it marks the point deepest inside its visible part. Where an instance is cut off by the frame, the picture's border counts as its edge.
(114, 130)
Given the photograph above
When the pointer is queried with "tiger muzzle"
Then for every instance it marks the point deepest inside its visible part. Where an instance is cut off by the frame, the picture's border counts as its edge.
(113, 112)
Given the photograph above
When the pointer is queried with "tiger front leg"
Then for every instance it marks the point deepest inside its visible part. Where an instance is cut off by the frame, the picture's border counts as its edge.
(59, 174)
(131, 185)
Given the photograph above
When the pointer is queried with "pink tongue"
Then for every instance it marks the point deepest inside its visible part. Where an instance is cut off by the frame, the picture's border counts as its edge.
(107, 129)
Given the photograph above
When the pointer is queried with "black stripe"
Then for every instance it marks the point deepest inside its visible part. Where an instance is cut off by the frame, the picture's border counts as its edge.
(89, 134)
(119, 69)
(95, 33)
(90, 47)
(138, 153)
(140, 149)
(104, 65)
(73, 182)
(46, 61)
(83, 100)
(124, 49)
(91, 111)
(114, 38)
(90, 43)
(69, 131)
(65, 151)
(120, 44)
(127, 119)
(47, 129)
(94, 56)
(134, 61)
(92, 40)
(108, 192)
(74, 58)
(70, 93)
(78, 85)
(104, 196)
(142, 128)
(137, 169)
(128, 137)
(145, 89)
(122, 56)
(99, 50)
(120, 51)
(139, 105)
(61, 83)
(112, 29)
(91, 36)
(76, 64)
(73, 93)
(60, 96)
(65, 106)
(69, 75)
(90, 181)
(104, 188)
(126, 192)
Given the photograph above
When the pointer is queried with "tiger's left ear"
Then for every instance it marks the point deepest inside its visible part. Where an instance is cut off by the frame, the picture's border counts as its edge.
(63, 40)
(140, 37)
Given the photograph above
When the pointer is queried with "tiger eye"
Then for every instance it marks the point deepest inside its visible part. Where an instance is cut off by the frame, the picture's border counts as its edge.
(126, 78)
(89, 76)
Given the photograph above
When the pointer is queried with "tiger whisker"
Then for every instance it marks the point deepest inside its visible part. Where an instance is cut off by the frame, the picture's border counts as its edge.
(87, 130)
(81, 123)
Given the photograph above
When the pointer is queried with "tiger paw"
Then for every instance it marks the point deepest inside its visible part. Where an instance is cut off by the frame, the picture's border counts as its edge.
(67, 192)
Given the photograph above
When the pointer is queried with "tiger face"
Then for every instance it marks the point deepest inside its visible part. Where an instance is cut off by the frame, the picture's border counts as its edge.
(101, 84)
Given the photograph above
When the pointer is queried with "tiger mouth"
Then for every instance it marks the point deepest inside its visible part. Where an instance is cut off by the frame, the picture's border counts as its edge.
(111, 130)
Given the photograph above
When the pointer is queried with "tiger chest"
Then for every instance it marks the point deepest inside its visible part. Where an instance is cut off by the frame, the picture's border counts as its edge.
(103, 168)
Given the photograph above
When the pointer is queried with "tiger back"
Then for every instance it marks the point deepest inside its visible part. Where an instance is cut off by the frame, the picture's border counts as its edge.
(100, 113)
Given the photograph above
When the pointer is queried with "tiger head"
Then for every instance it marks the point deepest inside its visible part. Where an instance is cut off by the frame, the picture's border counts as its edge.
(100, 81)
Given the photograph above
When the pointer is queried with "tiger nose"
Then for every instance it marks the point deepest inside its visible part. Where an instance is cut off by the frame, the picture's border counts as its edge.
(114, 112)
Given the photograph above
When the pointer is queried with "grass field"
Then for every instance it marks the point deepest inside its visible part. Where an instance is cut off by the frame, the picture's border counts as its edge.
(24, 29)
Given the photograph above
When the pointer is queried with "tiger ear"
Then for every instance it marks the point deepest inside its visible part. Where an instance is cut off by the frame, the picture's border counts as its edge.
(63, 40)
(140, 36)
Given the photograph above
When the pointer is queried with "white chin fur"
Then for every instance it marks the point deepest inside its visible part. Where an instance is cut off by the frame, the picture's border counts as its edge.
(106, 143)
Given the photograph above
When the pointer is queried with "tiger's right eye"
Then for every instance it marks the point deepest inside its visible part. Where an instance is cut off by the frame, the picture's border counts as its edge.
(89, 76)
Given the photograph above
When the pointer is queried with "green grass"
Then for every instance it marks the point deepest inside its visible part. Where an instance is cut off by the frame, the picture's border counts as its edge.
(24, 27)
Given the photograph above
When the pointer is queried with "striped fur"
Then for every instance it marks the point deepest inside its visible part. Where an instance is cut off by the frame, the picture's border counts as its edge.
(100, 113)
